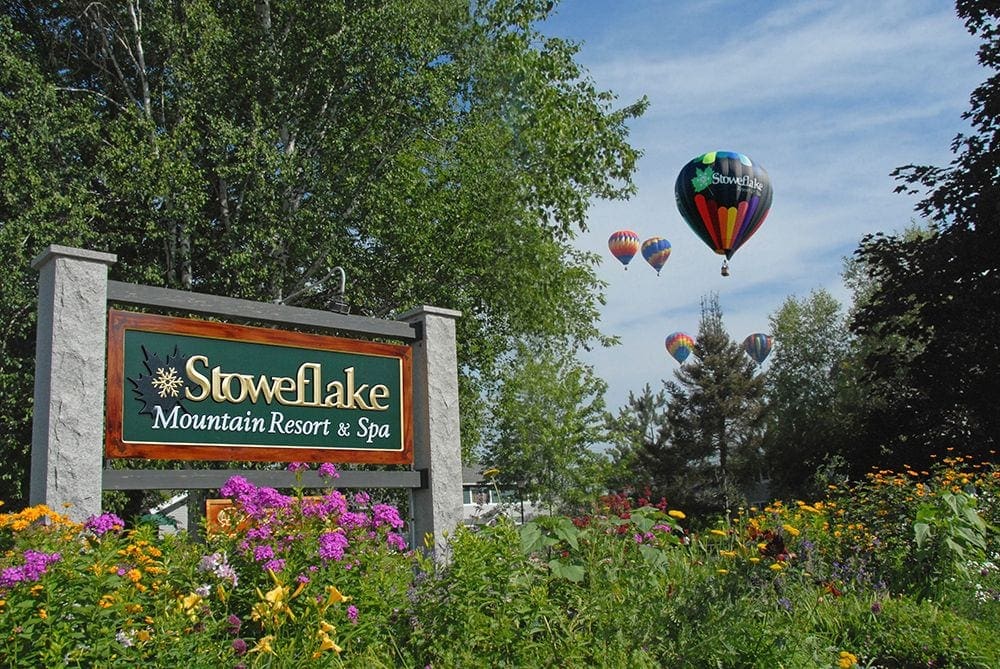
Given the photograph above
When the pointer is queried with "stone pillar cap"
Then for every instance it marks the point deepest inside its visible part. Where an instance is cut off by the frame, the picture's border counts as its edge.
(54, 250)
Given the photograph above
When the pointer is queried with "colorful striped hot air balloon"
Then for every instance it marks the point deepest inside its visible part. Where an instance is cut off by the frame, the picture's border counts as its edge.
(679, 345)
(725, 197)
(656, 250)
(624, 244)
(758, 346)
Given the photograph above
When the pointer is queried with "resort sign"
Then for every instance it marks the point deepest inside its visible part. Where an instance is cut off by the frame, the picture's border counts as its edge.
(199, 390)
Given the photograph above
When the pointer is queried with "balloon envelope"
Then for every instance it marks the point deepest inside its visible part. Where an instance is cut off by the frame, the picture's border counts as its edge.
(725, 197)
(758, 346)
(623, 244)
(656, 250)
(679, 345)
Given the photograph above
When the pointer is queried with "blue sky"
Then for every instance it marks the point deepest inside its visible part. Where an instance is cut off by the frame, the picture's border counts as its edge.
(829, 96)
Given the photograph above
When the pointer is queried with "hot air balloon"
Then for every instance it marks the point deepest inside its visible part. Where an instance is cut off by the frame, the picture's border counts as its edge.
(656, 250)
(624, 244)
(758, 346)
(679, 345)
(724, 197)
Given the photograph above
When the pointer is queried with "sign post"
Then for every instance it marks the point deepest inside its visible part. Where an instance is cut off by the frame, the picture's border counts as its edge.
(186, 389)
(68, 427)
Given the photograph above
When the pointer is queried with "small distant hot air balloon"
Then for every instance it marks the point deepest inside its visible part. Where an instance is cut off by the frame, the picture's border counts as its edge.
(724, 197)
(656, 250)
(758, 346)
(624, 244)
(679, 345)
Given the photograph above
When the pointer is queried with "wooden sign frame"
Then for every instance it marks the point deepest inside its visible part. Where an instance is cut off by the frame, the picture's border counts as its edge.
(117, 447)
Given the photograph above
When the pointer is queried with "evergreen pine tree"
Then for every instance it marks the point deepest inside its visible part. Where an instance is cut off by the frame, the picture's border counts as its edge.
(711, 452)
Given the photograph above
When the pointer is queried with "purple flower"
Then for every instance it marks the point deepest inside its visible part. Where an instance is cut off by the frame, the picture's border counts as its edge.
(351, 519)
(233, 624)
(327, 470)
(104, 523)
(210, 562)
(396, 541)
(352, 613)
(256, 502)
(297, 466)
(785, 603)
(362, 498)
(262, 552)
(35, 564)
(237, 486)
(876, 607)
(225, 572)
(332, 546)
(275, 565)
(239, 647)
(384, 514)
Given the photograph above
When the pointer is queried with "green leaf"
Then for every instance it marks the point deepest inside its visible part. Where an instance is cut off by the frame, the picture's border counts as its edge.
(531, 537)
(654, 557)
(568, 532)
(921, 533)
(571, 572)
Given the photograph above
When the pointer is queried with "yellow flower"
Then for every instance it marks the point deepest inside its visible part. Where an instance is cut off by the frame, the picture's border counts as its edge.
(721, 571)
(143, 635)
(333, 596)
(754, 560)
(264, 645)
(107, 601)
(775, 567)
(728, 554)
(491, 472)
(273, 603)
(791, 530)
(325, 644)
(847, 660)
(133, 575)
(189, 604)
(676, 514)
(42, 614)
(718, 533)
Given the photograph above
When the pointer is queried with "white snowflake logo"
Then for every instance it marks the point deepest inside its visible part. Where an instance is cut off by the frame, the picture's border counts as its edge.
(167, 382)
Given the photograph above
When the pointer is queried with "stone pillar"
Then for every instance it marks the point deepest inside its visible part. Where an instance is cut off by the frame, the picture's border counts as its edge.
(437, 442)
(67, 438)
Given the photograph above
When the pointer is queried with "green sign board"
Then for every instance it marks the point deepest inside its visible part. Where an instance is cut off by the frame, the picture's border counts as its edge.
(187, 389)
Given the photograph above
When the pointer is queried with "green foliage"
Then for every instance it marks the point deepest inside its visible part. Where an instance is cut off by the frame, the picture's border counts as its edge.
(832, 583)
(811, 393)
(709, 448)
(929, 323)
(949, 525)
(544, 423)
(636, 428)
(245, 149)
